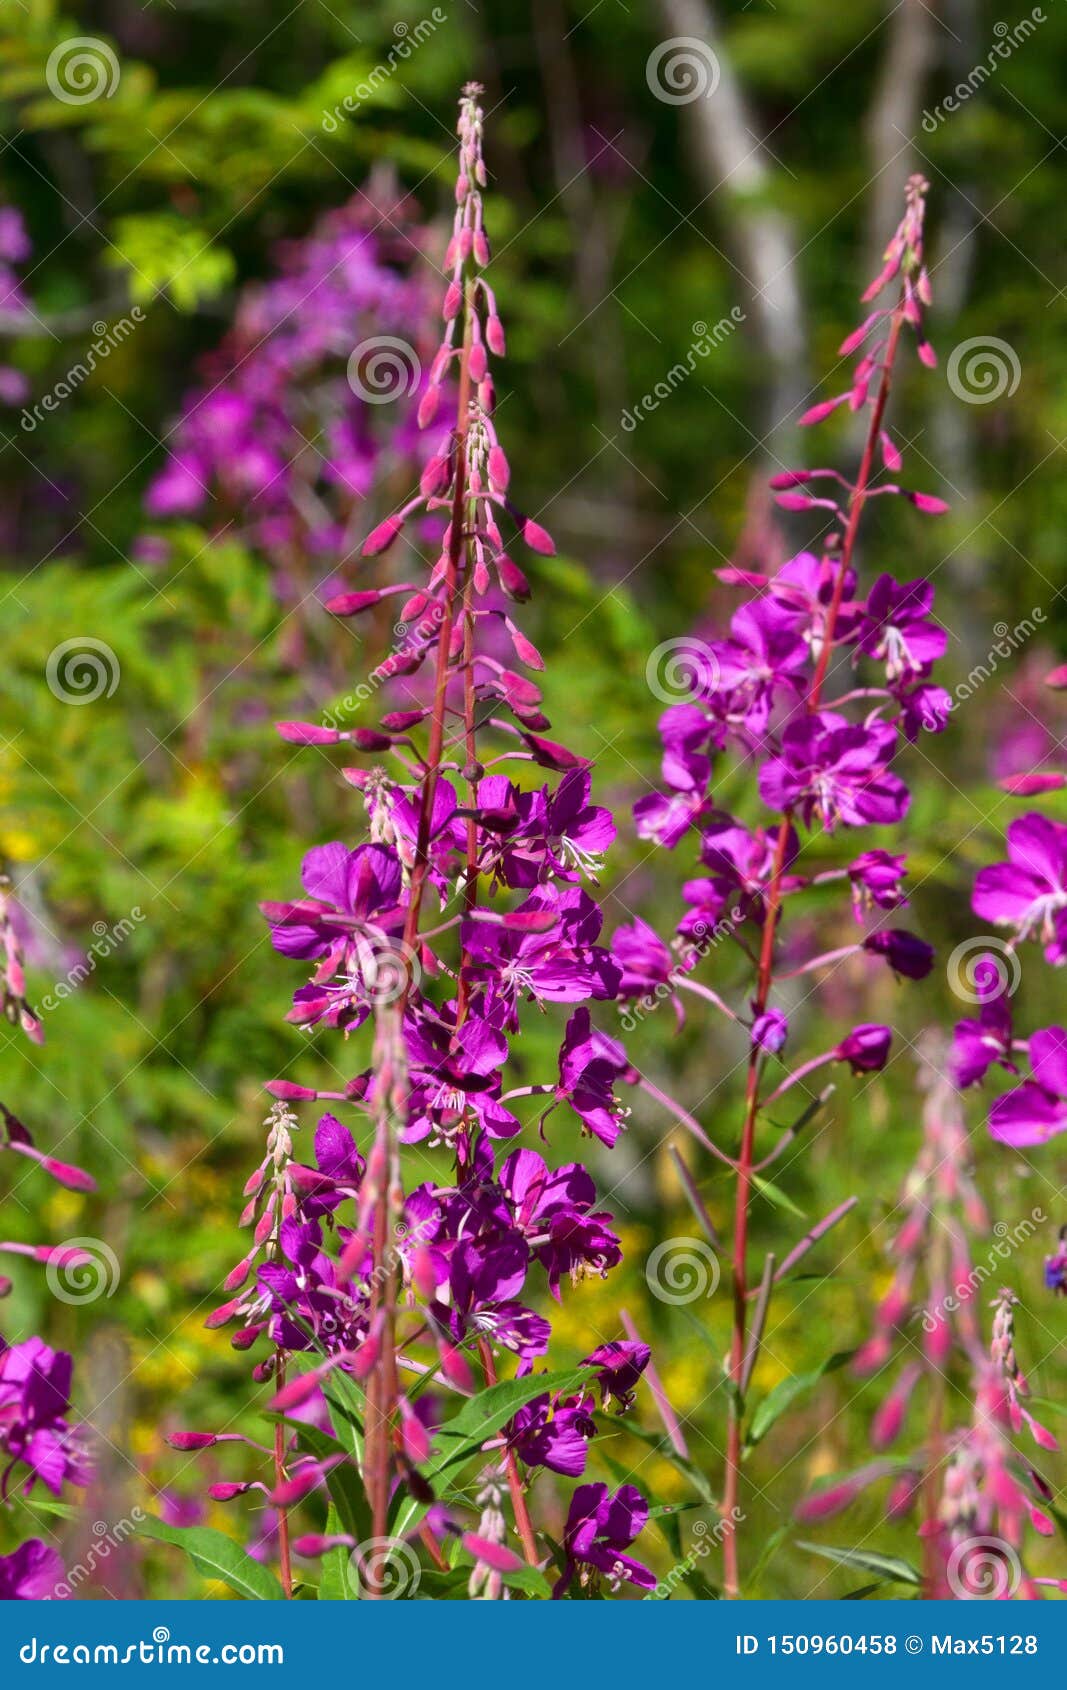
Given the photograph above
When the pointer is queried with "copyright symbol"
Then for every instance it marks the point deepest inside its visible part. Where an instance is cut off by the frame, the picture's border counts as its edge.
(914, 1645)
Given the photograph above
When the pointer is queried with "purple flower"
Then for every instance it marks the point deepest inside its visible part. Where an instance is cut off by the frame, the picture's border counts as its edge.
(33, 1573)
(1029, 891)
(644, 961)
(34, 1395)
(563, 965)
(666, 817)
(876, 878)
(619, 1365)
(897, 628)
(486, 1279)
(599, 1528)
(764, 656)
(835, 770)
(553, 1210)
(589, 1064)
(866, 1048)
(1037, 1110)
(451, 1072)
(553, 1433)
(905, 953)
(770, 1031)
(977, 1044)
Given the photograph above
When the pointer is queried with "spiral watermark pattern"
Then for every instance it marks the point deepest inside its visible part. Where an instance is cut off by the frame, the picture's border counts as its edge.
(384, 368)
(679, 668)
(681, 1270)
(983, 369)
(81, 70)
(390, 973)
(682, 70)
(90, 1271)
(982, 968)
(984, 1569)
(389, 1564)
(81, 670)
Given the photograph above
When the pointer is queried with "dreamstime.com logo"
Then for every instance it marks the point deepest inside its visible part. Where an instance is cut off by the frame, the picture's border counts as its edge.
(155, 1651)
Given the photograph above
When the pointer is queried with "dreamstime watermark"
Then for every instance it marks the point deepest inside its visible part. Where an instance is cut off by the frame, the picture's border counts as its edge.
(1008, 641)
(108, 336)
(157, 1651)
(705, 340)
(983, 967)
(407, 635)
(384, 368)
(1008, 38)
(984, 1569)
(82, 1270)
(698, 942)
(106, 943)
(1009, 1239)
(679, 667)
(408, 39)
(682, 70)
(81, 670)
(983, 369)
(681, 1270)
(389, 1564)
(704, 1538)
(82, 69)
(105, 1539)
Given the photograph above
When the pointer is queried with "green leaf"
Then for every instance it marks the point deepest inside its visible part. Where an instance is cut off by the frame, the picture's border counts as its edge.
(778, 1399)
(889, 1569)
(337, 1584)
(218, 1557)
(775, 1195)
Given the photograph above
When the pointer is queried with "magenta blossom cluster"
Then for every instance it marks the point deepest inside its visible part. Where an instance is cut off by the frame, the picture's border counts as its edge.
(467, 907)
(974, 1489)
(283, 435)
(816, 687)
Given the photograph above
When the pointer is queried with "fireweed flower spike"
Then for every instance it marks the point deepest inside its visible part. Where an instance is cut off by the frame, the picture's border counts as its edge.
(973, 1489)
(825, 765)
(469, 906)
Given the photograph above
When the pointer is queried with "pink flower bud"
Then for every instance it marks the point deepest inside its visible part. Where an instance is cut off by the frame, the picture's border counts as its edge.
(494, 334)
(350, 604)
(191, 1440)
(383, 536)
(537, 538)
(307, 733)
(500, 473)
(428, 405)
(478, 363)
